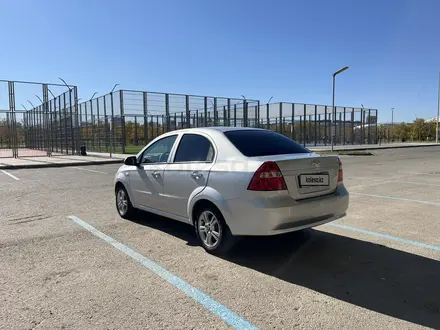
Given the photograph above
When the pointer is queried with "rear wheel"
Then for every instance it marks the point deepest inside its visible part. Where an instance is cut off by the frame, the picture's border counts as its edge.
(212, 231)
(123, 203)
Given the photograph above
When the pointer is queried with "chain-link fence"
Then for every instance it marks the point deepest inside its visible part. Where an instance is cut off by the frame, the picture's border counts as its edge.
(125, 120)
(312, 124)
(40, 130)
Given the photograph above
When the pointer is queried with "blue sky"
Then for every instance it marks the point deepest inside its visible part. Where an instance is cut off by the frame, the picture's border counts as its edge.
(258, 48)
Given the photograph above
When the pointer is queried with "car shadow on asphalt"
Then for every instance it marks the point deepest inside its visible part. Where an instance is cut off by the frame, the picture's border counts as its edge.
(372, 276)
(166, 225)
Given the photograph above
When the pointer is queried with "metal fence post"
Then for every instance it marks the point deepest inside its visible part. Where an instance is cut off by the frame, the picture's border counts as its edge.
(280, 105)
(245, 114)
(316, 132)
(55, 124)
(340, 126)
(72, 133)
(369, 126)
(229, 112)
(60, 130)
(106, 131)
(135, 131)
(215, 112)
(45, 120)
(319, 137)
(304, 123)
(187, 114)
(267, 116)
(292, 128)
(257, 114)
(345, 119)
(205, 111)
(97, 124)
(92, 117)
(325, 127)
(13, 131)
(224, 116)
(352, 125)
(65, 124)
(77, 126)
(121, 101)
(376, 125)
(362, 126)
(145, 108)
(112, 126)
(87, 125)
(167, 113)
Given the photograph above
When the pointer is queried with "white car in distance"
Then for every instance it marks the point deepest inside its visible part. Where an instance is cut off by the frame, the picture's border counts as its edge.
(231, 181)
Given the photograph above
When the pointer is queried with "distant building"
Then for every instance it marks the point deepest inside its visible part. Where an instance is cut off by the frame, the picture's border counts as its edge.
(433, 119)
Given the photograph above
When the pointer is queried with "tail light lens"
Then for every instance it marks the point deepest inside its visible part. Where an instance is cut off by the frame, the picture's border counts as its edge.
(268, 177)
(341, 172)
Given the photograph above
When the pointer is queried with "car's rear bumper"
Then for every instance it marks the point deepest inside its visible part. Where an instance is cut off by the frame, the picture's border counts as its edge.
(280, 214)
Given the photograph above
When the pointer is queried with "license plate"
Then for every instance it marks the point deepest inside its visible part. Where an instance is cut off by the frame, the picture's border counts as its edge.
(313, 180)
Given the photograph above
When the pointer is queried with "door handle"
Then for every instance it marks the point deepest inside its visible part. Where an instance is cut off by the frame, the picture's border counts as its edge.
(196, 175)
(156, 174)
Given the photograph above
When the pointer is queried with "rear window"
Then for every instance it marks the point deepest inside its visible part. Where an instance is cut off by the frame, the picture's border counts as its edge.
(254, 143)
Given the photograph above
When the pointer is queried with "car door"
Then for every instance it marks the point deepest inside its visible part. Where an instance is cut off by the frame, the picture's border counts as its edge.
(188, 171)
(147, 180)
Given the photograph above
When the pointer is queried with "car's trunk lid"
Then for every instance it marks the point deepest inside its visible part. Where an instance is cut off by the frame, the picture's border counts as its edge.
(307, 175)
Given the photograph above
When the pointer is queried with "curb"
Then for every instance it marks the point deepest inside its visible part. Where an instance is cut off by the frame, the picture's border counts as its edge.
(48, 165)
(378, 148)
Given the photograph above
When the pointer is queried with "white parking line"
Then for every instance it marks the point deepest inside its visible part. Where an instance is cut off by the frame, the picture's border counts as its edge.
(12, 176)
(420, 183)
(388, 237)
(88, 170)
(231, 318)
(396, 198)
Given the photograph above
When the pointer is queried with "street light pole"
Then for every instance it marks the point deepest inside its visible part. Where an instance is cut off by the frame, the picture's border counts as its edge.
(333, 104)
(438, 110)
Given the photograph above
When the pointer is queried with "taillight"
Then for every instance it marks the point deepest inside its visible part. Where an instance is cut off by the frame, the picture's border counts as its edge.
(268, 177)
(341, 172)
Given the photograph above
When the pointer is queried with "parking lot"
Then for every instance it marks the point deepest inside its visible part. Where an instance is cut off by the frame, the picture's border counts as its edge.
(379, 267)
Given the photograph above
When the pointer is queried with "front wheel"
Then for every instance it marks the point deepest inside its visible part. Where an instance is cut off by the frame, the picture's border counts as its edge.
(123, 203)
(212, 231)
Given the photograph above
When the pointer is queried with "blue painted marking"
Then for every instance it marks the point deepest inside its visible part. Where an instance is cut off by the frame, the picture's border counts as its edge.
(396, 198)
(212, 305)
(391, 238)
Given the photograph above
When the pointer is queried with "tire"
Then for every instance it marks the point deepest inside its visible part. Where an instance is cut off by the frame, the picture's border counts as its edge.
(123, 203)
(212, 231)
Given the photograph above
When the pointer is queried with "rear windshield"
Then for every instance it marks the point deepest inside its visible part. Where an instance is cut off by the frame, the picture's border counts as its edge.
(254, 143)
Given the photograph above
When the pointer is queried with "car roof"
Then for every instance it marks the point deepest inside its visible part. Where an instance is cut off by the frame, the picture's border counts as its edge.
(216, 129)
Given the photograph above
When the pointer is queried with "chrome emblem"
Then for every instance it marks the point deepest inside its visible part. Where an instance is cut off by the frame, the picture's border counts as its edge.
(316, 163)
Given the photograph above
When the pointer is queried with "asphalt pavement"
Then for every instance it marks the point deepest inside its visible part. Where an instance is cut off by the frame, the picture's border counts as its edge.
(378, 267)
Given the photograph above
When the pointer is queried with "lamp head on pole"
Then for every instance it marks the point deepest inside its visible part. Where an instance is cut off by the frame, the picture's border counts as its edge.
(340, 71)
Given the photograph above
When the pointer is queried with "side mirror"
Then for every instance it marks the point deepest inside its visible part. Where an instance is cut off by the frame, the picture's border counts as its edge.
(131, 161)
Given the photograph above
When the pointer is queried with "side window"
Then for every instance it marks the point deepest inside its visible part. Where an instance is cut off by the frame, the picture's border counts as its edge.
(159, 151)
(194, 148)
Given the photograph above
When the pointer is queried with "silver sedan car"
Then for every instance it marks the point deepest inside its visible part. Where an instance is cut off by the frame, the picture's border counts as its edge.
(230, 181)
